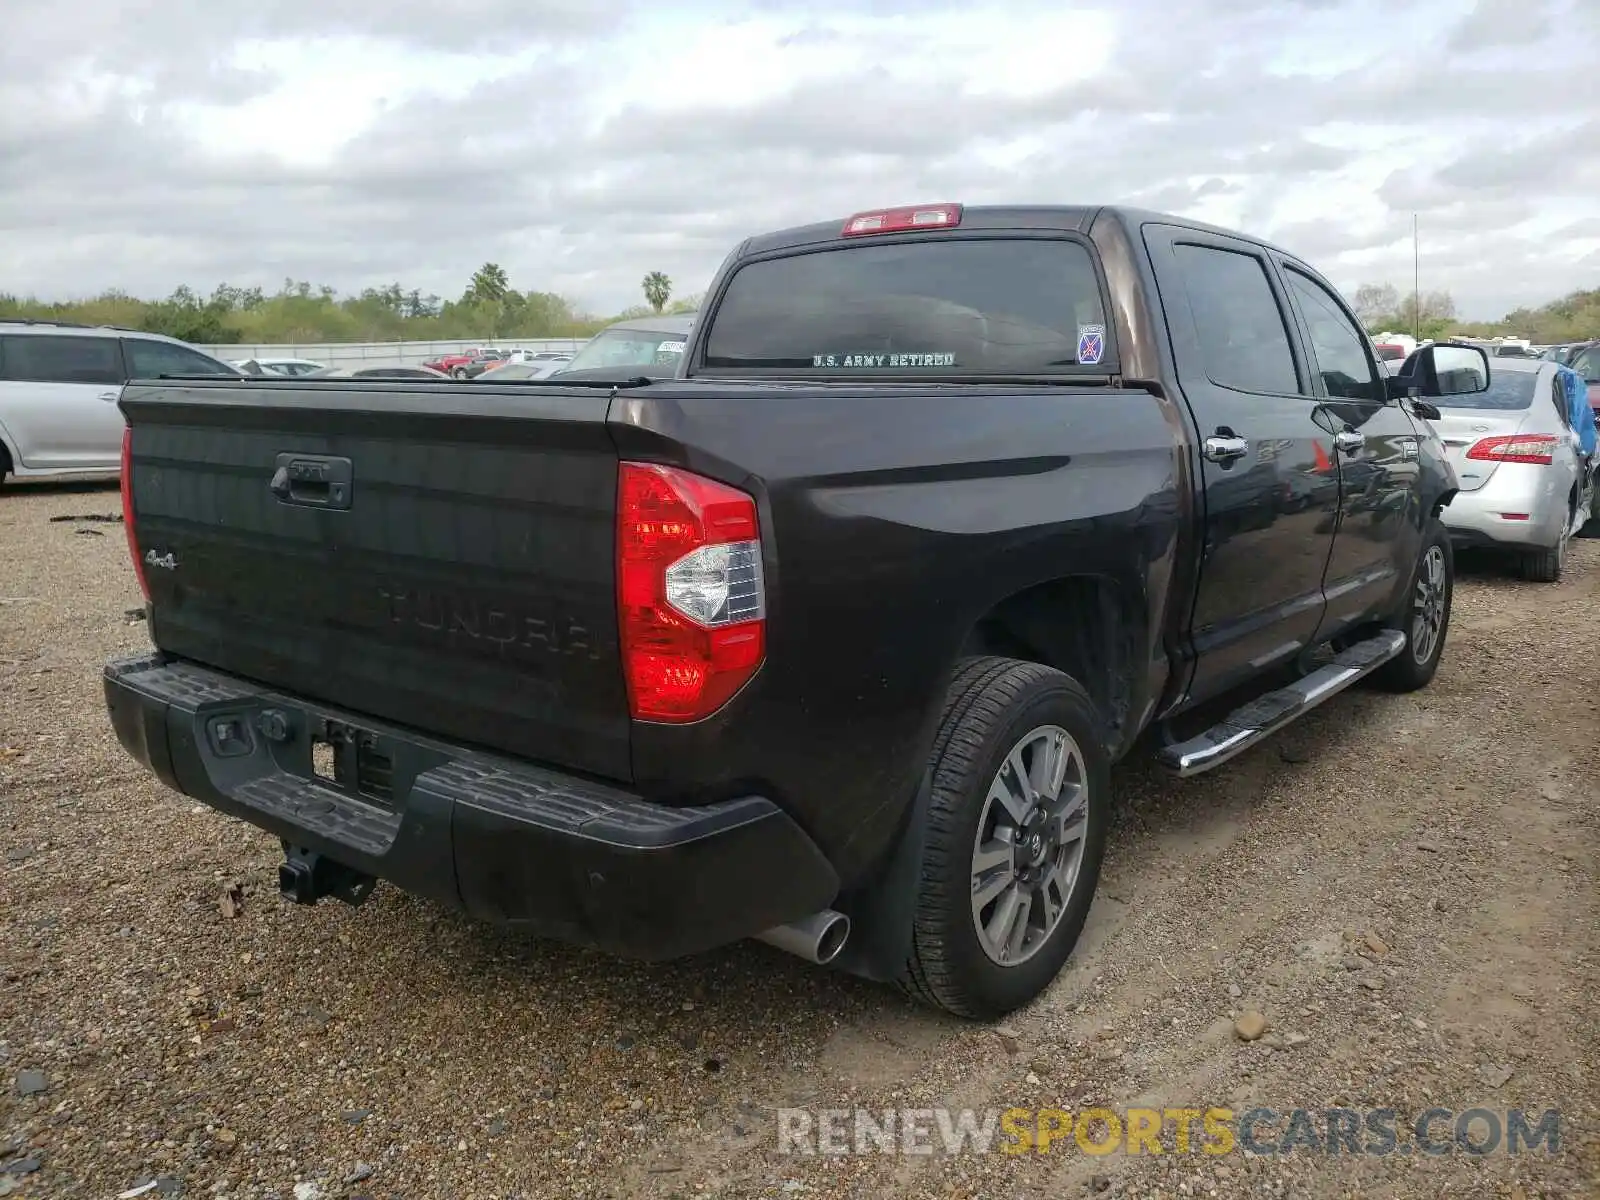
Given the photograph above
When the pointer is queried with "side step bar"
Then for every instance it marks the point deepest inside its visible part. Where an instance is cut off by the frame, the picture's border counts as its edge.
(1264, 716)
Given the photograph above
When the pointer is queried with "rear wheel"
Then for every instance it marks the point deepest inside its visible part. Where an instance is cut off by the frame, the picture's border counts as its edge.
(1546, 566)
(1424, 617)
(5, 466)
(1016, 831)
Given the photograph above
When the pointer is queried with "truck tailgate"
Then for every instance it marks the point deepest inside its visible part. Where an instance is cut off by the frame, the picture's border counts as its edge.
(431, 556)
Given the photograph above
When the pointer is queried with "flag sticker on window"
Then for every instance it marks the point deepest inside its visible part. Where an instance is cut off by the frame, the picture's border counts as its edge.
(1091, 344)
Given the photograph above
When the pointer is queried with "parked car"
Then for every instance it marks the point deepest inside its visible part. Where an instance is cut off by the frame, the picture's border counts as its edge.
(475, 368)
(59, 385)
(1563, 353)
(455, 365)
(292, 367)
(519, 372)
(648, 346)
(527, 356)
(1523, 486)
(832, 639)
(417, 373)
(1585, 360)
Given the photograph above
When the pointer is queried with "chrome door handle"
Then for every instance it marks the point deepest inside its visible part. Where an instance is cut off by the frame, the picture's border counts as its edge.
(1220, 448)
(1349, 441)
(110, 397)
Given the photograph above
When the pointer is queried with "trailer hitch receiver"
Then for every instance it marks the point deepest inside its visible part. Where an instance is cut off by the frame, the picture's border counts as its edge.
(306, 876)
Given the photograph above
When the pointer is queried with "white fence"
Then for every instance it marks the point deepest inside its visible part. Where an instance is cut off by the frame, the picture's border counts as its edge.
(382, 354)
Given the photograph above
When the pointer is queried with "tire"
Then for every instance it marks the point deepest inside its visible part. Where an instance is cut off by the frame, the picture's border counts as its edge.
(993, 707)
(458, 373)
(1545, 566)
(1431, 589)
(5, 466)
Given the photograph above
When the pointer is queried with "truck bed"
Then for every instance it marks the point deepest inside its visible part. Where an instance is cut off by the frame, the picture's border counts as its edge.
(468, 590)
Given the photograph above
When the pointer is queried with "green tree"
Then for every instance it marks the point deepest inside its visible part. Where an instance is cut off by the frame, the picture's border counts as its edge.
(489, 285)
(1430, 315)
(657, 290)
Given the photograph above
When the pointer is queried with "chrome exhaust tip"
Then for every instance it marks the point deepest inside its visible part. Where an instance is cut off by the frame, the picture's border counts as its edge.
(817, 938)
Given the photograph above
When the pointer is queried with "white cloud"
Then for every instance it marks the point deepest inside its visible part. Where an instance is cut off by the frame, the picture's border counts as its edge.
(583, 142)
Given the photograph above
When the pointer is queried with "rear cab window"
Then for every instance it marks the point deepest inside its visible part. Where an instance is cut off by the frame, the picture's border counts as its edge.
(1509, 391)
(932, 306)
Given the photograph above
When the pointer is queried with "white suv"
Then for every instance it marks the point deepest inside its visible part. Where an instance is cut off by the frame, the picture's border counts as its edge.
(59, 386)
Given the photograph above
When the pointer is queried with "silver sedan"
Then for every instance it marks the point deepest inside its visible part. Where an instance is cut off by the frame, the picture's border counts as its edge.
(1524, 485)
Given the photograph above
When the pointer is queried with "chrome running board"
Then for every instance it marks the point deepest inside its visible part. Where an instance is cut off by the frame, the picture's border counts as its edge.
(1264, 716)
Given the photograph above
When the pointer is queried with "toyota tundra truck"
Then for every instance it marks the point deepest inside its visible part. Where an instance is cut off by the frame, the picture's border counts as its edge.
(829, 641)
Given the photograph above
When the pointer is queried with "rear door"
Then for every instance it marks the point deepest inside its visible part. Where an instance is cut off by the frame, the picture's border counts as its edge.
(1379, 456)
(1271, 486)
(58, 400)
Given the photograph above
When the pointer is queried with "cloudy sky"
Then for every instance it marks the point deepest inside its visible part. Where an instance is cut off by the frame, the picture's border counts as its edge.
(581, 143)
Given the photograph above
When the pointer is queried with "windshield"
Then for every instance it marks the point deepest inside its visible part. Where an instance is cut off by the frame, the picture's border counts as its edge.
(630, 348)
(1508, 392)
(934, 307)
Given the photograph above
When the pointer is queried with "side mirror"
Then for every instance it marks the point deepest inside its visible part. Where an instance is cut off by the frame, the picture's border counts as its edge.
(1443, 369)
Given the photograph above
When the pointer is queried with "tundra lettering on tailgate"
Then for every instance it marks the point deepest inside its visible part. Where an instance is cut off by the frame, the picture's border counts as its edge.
(454, 618)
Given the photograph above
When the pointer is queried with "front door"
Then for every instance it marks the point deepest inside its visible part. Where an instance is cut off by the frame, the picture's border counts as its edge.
(1381, 523)
(1270, 484)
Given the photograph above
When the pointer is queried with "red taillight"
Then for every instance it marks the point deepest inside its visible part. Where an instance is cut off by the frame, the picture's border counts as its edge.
(127, 512)
(691, 604)
(897, 220)
(1535, 448)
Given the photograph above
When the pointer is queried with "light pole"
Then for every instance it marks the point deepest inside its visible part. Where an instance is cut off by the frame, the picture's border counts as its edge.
(1416, 283)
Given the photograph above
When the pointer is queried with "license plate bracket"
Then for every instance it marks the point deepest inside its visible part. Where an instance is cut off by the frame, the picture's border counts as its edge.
(354, 760)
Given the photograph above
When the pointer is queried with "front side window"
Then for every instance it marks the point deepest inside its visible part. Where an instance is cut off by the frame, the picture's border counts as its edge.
(1243, 341)
(42, 358)
(149, 359)
(1338, 345)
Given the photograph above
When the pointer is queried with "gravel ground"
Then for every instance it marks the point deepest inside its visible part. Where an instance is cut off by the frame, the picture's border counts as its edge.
(1403, 887)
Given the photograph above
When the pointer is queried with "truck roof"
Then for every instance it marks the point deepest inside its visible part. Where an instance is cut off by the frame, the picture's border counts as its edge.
(1072, 218)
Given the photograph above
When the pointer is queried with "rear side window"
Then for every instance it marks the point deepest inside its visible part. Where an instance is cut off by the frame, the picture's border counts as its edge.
(1243, 341)
(1587, 364)
(33, 358)
(1008, 306)
(152, 360)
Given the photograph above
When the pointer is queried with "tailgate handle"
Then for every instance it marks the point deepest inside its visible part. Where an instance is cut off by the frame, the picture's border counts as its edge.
(313, 480)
